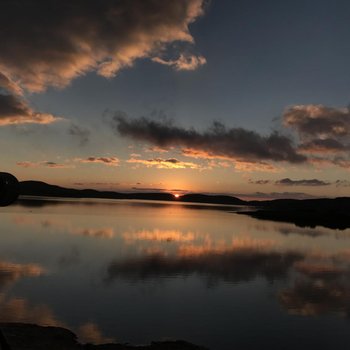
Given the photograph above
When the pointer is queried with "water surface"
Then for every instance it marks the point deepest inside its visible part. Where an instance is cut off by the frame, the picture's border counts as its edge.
(133, 271)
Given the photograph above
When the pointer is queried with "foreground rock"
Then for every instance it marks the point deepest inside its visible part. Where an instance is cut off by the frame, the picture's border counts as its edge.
(19, 336)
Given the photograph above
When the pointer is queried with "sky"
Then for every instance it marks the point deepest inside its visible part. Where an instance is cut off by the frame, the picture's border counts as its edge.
(242, 97)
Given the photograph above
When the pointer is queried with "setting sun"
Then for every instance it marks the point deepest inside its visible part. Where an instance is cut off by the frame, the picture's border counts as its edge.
(176, 195)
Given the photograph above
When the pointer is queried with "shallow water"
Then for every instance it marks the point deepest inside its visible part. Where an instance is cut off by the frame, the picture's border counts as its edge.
(132, 271)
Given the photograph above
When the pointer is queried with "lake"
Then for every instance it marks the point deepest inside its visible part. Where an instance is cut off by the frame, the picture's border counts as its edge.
(133, 271)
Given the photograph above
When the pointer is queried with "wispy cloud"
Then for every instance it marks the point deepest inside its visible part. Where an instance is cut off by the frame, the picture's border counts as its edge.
(170, 163)
(109, 161)
(184, 62)
(304, 182)
(47, 164)
(289, 182)
(81, 133)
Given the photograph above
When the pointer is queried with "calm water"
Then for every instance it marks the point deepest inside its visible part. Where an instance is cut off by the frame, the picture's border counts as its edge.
(136, 272)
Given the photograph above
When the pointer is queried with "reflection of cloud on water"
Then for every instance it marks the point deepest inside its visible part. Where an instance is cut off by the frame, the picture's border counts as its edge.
(245, 244)
(90, 333)
(17, 309)
(241, 262)
(96, 232)
(10, 272)
(322, 286)
(159, 235)
(103, 232)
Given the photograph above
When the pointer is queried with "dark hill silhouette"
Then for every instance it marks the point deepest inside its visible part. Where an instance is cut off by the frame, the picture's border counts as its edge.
(332, 213)
(38, 188)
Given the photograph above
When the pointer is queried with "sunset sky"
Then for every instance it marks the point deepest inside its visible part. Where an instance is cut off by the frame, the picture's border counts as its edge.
(244, 97)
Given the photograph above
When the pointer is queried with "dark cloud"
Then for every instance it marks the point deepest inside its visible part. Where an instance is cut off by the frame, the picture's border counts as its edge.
(218, 141)
(318, 121)
(14, 110)
(323, 146)
(278, 195)
(322, 131)
(311, 182)
(49, 42)
(110, 161)
(235, 266)
(342, 183)
(259, 182)
(82, 134)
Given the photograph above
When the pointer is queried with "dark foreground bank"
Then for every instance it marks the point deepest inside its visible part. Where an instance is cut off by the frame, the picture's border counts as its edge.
(20, 336)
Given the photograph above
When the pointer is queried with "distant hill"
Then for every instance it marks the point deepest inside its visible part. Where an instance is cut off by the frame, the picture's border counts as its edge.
(332, 213)
(38, 188)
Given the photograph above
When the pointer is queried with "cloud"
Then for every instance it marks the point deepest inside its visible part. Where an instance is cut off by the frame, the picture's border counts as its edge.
(318, 121)
(109, 161)
(259, 182)
(82, 134)
(342, 183)
(171, 163)
(43, 48)
(276, 195)
(14, 111)
(289, 182)
(311, 182)
(9, 86)
(216, 142)
(324, 133)
(184, 62)
(323, 146)
(47, 164)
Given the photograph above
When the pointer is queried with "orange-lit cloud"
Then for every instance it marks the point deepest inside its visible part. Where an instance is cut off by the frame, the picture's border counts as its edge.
(15, 111)
(171, 163)
(184, 62)
(105, 37)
